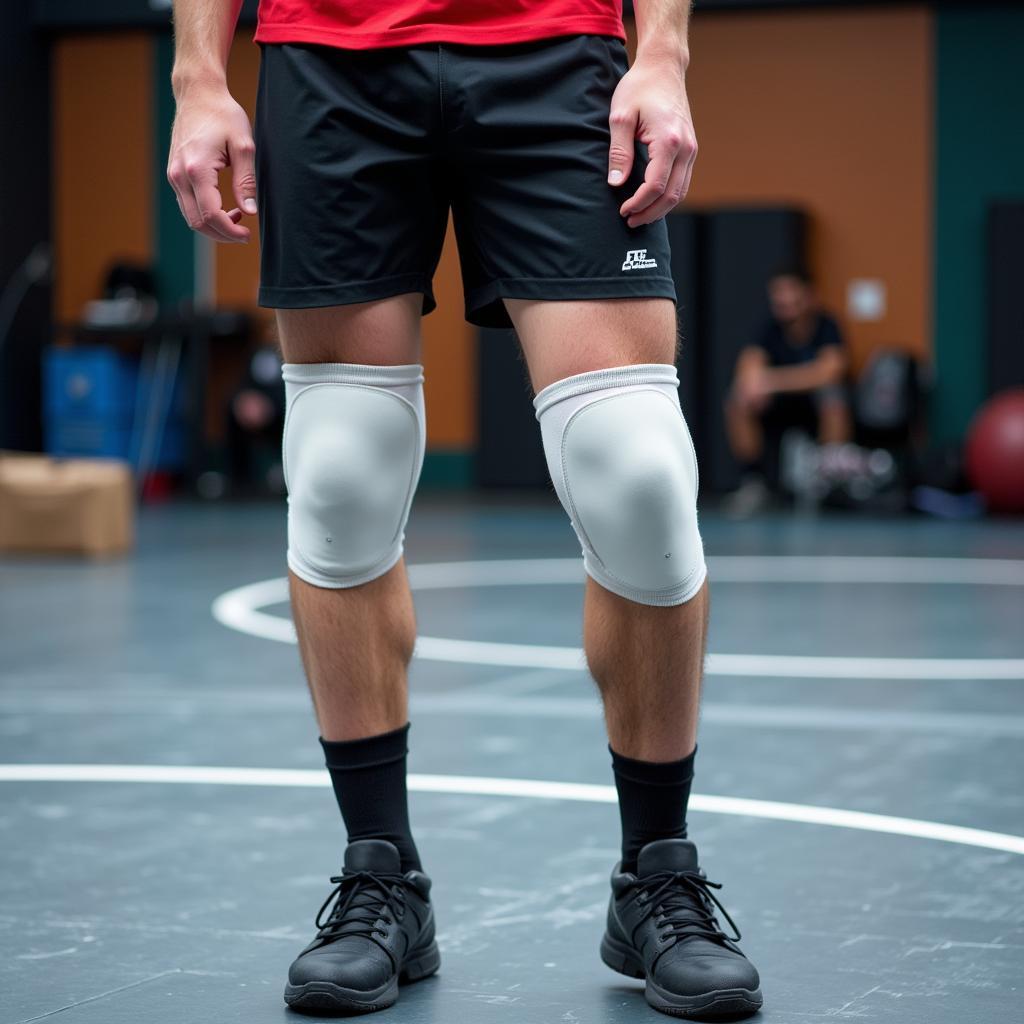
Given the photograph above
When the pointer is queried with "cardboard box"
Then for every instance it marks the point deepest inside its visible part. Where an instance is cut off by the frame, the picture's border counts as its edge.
(67, 506)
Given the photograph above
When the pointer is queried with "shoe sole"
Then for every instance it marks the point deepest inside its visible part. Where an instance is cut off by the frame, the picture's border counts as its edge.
(722, 1004)
(325, 997)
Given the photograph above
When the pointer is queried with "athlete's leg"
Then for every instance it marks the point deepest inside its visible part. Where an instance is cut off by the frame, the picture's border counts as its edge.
(624, 468)
(646, 659)
(356, 642)
(353, 211)
(353, 448)
(593, 300)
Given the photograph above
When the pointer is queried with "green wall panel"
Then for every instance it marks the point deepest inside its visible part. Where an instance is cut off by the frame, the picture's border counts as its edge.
(979, 68)
(174, 242)
(447, 469)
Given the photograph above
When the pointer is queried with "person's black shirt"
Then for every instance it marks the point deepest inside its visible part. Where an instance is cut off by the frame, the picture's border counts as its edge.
(782, 352)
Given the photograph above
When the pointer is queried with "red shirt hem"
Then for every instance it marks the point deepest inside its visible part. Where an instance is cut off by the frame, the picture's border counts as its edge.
(473, 35)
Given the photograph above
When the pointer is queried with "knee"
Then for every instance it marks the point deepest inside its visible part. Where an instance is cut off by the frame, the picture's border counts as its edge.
(331, 468)
(353, 451)
(623, 465)
(637, 501)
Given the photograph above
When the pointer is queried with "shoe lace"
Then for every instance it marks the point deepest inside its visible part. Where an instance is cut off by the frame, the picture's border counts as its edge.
(687, 905)
(362, 898)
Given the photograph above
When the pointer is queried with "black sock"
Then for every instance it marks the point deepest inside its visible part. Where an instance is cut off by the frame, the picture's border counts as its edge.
(652, 801)
(368, 776)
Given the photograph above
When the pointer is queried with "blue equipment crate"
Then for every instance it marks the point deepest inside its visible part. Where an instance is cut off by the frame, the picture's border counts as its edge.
(91, 397)
(98, 381)
(102, 438)
(88, 382)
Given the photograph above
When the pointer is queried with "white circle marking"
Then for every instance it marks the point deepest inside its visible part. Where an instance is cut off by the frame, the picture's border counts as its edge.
(240, 609)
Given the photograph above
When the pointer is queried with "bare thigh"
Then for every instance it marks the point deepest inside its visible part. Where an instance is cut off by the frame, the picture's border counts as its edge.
(381, 333)
(560, 339)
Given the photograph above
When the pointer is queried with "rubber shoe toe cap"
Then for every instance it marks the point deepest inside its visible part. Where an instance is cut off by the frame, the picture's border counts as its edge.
(358, 973)
(703, 973)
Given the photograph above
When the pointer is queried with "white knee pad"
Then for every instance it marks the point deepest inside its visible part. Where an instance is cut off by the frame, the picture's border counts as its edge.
(624, 468)
(354, 439)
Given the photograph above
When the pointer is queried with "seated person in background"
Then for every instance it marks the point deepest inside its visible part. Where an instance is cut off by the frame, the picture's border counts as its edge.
(255, 419)
(793, 377)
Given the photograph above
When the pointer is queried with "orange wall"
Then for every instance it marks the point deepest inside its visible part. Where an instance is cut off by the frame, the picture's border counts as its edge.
(102, 161)
(450, 360)
(830, 110)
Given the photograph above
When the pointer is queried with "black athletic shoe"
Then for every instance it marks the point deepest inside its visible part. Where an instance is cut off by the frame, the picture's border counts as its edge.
(662, 927)
(379, 932)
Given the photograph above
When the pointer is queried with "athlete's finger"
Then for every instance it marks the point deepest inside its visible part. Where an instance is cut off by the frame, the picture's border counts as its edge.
(213, 217)
(675, 190)
(185, 189)
(655, 181)
(243, 173)
(622, 123)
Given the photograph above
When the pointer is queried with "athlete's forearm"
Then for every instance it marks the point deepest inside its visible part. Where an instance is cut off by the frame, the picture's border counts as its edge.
(211, 131)
(827, 369)
(662, 28)
(203, 30)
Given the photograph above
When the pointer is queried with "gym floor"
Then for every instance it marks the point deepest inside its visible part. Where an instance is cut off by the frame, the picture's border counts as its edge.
(167, 832)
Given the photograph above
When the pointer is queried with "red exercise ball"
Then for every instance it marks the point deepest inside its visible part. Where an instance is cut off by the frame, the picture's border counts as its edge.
(995, 451)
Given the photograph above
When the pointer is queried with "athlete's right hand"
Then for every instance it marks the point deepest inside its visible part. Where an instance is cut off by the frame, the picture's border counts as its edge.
(211, 132)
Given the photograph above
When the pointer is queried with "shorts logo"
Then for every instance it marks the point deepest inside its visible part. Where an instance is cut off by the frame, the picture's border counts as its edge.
(636, 259)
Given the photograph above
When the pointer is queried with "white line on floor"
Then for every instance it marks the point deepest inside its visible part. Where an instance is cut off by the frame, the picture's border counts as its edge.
(239, 609)
(530, 788)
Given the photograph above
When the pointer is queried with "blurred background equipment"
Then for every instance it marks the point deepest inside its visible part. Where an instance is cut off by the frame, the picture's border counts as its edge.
(874, 469)
(1006, 305)
(129, 297)
(67, 506)
(995, 451)
(140, 382)
(34, 270)
(255, 419)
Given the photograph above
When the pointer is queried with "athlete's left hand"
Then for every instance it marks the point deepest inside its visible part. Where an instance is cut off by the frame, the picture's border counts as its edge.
(650, 105)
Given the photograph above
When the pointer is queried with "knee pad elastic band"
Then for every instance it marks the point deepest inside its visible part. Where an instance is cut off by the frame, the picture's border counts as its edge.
(354, 439)
(624, 468)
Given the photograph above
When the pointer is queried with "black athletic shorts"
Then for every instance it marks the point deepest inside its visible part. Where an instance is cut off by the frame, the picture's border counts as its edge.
(362, 153)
